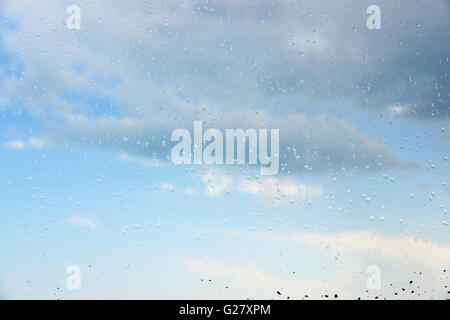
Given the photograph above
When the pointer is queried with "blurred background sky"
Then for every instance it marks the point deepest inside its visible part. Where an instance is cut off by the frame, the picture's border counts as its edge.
(86, 178)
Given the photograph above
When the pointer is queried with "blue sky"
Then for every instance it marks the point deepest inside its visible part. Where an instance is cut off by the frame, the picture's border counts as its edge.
(86, 178)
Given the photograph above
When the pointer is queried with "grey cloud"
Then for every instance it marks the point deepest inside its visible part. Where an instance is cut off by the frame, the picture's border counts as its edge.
(245, 53)
(307, 143)
(164, 63)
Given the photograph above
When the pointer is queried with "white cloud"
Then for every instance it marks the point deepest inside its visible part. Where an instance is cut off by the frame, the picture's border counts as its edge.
(398, 109)
(401, 260)
(36, 142)
(403, 252)
(79, 221)
(279, 191)
(23, 144)
(167, 186)
(189, 191)
(14, 144)
(244, 281)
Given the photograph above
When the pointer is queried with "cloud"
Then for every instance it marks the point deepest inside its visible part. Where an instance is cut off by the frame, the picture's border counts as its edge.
(14, 144)
(189, 191)
(246, 52)
(245, 281)
(400, 259)
(79, 221)
(307, 143)
(295, 71)
(399, 109)
(167, 186)
(404, 252)
(279, 191)
(22, 144)
(274, 191)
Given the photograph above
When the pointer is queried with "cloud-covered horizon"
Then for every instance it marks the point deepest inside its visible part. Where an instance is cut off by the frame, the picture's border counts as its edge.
(409, 268)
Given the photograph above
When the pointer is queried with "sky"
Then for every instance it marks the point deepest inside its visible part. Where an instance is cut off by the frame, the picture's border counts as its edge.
(86, 177)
